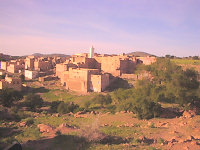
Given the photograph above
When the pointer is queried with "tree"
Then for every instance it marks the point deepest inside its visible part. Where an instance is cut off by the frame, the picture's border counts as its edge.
(195, 57)
(102, 100)
(146, 109)
(176, 85)
(33, 101)
(64, 108)
(8, 96)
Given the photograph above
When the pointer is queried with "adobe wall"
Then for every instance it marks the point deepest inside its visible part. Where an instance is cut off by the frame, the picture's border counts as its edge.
(29, 63)
(78, 59)
(110, 64)
(4, 65)
(99, 82)
(78, 79)
(42, 65)
(60, 68)
(105, 81)
(64, 77)
(14, 83)
(77, 85)
(31, 74)
(95, 83)
(147, 60)
(11, 68)
(14, 68)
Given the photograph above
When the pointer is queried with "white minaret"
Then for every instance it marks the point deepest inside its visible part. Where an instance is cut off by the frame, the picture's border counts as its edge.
(91, 52)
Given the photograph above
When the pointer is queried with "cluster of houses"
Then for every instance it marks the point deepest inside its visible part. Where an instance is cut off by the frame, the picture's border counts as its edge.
(85, 72)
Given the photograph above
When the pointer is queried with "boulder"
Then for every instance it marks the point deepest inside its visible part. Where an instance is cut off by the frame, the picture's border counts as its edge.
(188, 114)
(22, 124)
(45, 128)
(56, 115)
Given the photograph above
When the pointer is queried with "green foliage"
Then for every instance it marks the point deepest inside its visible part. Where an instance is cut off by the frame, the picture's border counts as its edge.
(87, 104)
(102, 99)
(17, 114)
(64, 108)
(29, 121)
(126, 105)
(172, 84)
(186, 61)
(122, 94)
(54, 106)
(145, 109)
(8, 96)
(30, 133)
(33, 101)
(195, 57)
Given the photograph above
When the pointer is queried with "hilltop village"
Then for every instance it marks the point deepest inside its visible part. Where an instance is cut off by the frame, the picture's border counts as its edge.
(84, 72)
(99, 101)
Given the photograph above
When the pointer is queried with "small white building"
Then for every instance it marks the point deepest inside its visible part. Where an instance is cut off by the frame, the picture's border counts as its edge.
(31, 74)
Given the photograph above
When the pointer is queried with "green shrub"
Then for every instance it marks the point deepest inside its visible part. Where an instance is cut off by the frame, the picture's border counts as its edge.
(64, 108)
(111, 108)
(33, 101)
(87, 104)
(145, 109)
(17, 114)
(126, 105)
(102, 100)
(54, 106)
(29, 121)
(8, 96)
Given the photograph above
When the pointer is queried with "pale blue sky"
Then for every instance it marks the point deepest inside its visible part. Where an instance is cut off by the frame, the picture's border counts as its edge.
(159, 27)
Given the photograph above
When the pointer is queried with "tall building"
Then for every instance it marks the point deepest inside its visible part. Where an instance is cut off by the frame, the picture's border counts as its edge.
(91, 52)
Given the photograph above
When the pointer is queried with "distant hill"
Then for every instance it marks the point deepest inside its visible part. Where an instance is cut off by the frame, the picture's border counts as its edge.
(50, 55)
(140, 54)
(4, 57)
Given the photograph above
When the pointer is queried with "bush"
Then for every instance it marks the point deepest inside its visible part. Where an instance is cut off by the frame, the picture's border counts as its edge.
(17, 114)
(33, 101)
(64, 108)
(87, 104)
(8, 96)
(54, 106)
(145, 109)
(126, 105)
(29, 121)
(102, 100)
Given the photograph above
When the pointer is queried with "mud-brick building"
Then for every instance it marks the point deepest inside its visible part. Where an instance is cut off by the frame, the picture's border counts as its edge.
(11, 82)
(3, 65)
(84, 80)
(116, 65)
(147, 60)
(15, 66)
